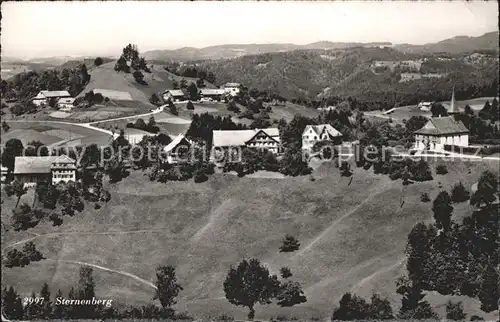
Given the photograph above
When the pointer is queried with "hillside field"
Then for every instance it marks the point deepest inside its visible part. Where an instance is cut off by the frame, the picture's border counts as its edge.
(352, 237)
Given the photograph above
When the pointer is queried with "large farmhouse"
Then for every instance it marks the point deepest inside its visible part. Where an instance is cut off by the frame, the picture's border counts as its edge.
(42, 99)
(212, 94)
(176, 95)
(441, 131)
(232, 89)
(222, 141)
(315, 133)
(55, 169)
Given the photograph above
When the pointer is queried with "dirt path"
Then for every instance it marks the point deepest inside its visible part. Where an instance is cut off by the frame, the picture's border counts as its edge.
(135, 277)
(80, 233)
(325, 232)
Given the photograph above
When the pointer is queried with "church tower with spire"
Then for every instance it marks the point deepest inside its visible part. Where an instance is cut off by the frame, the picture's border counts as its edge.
(453, 109)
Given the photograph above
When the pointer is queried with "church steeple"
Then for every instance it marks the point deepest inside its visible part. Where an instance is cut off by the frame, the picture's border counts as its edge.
(453, 106)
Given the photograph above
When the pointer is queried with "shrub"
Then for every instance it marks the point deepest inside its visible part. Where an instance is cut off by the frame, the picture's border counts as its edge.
(200, 176)
(224, 317)
(139, 77)
(290, 244)
(98, 61)
(285, 272)
(476, 318)
(441, 169)
(459, 193)
(425, 197)
(190, 105)
(455, 311)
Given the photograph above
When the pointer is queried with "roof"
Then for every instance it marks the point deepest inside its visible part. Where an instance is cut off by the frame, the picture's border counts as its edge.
(208, 91)
(232, 85)
(442, 126)
(175, 92)
(66, 100)
(323, 127)
(178, 139)
(222, 138)
(49, 94)
(133, 131)
(24, 165)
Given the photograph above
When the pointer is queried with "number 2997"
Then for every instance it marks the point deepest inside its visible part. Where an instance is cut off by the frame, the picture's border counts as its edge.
(33, 300)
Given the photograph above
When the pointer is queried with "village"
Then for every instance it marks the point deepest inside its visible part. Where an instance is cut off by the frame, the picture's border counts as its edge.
(249, 161)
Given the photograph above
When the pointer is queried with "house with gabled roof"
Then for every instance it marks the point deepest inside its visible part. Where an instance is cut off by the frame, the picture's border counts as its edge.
(441, 131)
(224, 140)
(176, 95)
(43, 97)
(316, 133)
(232, 89)
(55, 169)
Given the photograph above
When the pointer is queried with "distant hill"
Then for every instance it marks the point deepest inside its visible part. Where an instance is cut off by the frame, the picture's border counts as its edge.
(301, 73)
(234, 50)
(459, 44)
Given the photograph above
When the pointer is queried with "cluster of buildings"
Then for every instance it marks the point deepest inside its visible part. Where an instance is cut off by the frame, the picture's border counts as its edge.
(206, 94)
(54, 169)
(64, 101)
(440, 131)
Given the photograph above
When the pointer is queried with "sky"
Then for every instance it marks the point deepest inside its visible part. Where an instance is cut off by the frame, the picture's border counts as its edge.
(43, 29)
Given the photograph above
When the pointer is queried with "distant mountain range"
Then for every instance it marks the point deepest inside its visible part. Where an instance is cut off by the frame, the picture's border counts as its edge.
(459, 44)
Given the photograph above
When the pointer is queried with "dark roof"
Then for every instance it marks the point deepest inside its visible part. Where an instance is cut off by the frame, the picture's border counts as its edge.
(442, 126)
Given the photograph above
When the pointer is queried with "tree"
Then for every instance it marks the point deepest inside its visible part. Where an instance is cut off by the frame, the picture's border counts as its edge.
(285, 272)
(173, 109)
(30, 251)
(13, 148)
(98, 61)
(380, 309)
(139, 77)
(183, 83)
(441, 169)
(468, 110)
(455, 311)
(192, 91)
(155, 99)
(36, 148)
(438, 109)
(5, 126)
(140, 124)
(415, 123)
(487, 189)
(190, 105)
(58, 311)
(121, 65)
(47, 194)
(46, 306)
(489, 293)
(351, 307)
(250, 283)
(421, 171)
(290, 294)
(293, 164)
(412, 306)
(167, 287)
(459, 193)
(425, 197)
(290, 244)
(442, 210)
(12, 307)
(85, 291)
(16, 188)
(200, 83)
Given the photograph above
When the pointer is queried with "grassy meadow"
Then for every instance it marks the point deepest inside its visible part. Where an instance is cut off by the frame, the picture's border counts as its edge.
(352, 237)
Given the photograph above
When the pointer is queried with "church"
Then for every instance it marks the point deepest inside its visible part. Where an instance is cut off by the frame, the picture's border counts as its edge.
(441, 131)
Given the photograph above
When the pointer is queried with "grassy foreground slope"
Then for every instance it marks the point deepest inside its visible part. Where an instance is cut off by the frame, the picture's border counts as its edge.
(352, 237)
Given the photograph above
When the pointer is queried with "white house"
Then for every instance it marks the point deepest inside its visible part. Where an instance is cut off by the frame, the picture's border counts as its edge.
(178, 149)
(55, 169)
(212, 94)
(176, 95)
(316, 133)
(65, 104)
(43, 97)
(232, 89)
(134, 136)
(439, 131)
(425, 106)
(222, 141)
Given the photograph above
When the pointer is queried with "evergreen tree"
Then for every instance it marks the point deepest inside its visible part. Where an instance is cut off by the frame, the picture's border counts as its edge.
(442, 210)
(459, 193)
(380, 309)
(32, 310)
(488, 291)
(12, 307)
(167, 287)
(86, 291)
(58, 310)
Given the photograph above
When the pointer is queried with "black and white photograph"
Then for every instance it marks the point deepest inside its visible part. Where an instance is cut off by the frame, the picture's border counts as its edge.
(234, 161)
